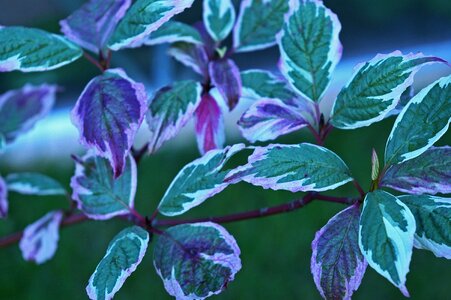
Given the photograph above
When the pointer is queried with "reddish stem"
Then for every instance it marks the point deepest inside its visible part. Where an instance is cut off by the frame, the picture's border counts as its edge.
(93, 61)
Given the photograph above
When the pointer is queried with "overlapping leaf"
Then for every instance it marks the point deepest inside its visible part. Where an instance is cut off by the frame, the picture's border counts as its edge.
(21, 109)
(170, 110)
(268, 119)
(219, 18)
(258, 24)
(34, 184)
(196, 261)
(33, 50)
(337, 264)
(386, 233)
(429, 173)
(209, 124)
(108, 114)
(225, 75)
(421, 123)
(309, 47)
(92, 24)
(122, 257)
(197, 181)
(303, 167)
(191, 55)
(40, 239)
(172, 32)
(263, 84)
(142, 18)
(433, 219)
(376, 88)
(97, 193)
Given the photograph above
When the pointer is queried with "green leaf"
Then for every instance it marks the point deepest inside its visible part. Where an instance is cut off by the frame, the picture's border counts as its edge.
(258, 24)
(197, 181)
(33, 50)
(2, 143)
(34, 184)
(386, 233)
(309, 47)
(421, 123)
(172, 32)
(123, 255)
(219, 17)
(303, 167)
(259, 84)
(170, 110)
(142, 18)
(197, 260)
(375, 89)
(433, 218)
(97, 193)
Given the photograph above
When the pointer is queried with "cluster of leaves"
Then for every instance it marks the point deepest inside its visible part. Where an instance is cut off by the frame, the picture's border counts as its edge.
(197, 260)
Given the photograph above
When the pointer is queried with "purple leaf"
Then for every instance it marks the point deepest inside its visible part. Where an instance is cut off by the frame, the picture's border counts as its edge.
(429, 173)
(209, 125)
(92, 24)
(108, 115)
(3, 199)
(337, 264)
(225, 75)
(191, 55)
(40, 239)
(21, 109)
(268, 119)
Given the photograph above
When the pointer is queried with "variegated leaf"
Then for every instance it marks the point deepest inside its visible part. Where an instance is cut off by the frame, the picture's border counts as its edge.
(209, 124)
(386, 233)
(376, 88)
(172, 32)
(34, 184)
(219, 18)
(213, 260)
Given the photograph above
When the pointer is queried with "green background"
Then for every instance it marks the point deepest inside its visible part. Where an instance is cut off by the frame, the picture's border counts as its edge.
(275, 250)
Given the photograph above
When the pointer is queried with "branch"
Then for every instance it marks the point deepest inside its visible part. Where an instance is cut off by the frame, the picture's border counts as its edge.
(253, 214)
(259, 213)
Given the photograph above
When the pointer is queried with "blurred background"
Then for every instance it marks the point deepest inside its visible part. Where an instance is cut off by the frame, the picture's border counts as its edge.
(275, 251)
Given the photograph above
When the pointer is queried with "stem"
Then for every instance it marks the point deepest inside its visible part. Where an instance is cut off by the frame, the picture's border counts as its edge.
(359, 188)
(138, 154)
(93, 61)
(318, 138)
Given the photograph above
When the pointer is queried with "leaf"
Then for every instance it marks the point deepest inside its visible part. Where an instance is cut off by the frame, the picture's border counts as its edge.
(337, 264)
(429, 173)
(97, 193)
(433, 219)
(21, 109)
(268, 119)
(197, 181)
(34, 184)
(303, 167)
(225, 75)
(258, 24)
(387, 228)
(309, 47)
(121, 259)
(172, 32)
(421, 123)
(3, 199)
(34, 50)
(144, 17)
(170, 110)
(196, 261)
(2, 143)
(263, 84)
(209, 124)
(92, 24)
(108, 114)
(190, 55)
(375, 89)
(219, 18)
(40, 239)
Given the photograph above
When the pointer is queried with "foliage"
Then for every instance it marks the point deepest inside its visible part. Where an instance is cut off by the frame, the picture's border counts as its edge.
(198, 258)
